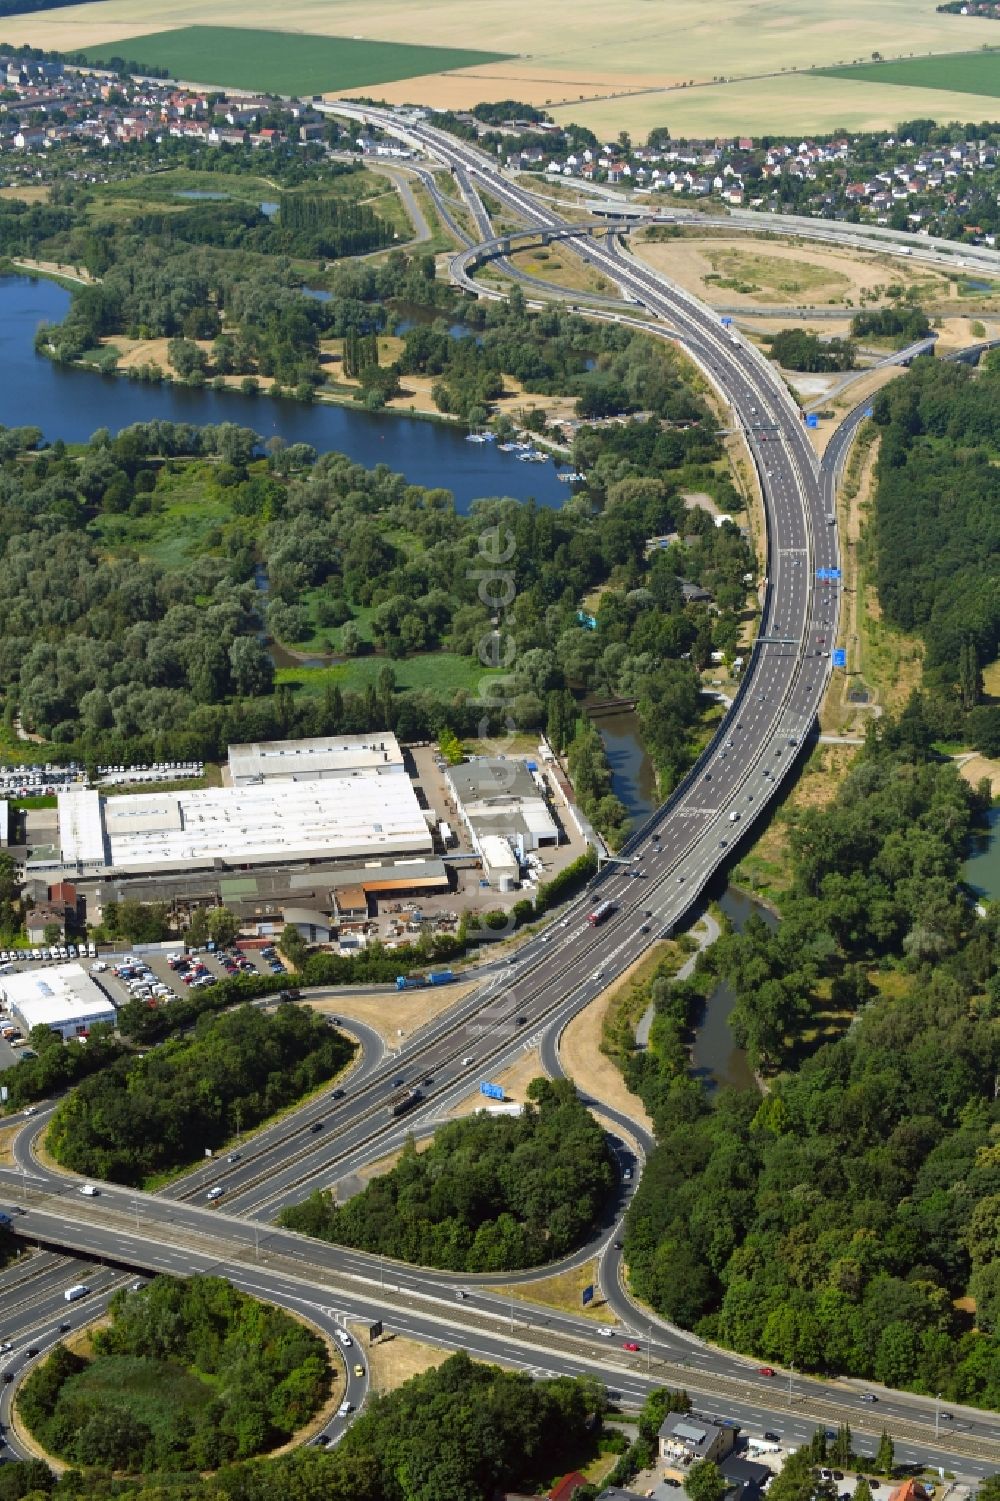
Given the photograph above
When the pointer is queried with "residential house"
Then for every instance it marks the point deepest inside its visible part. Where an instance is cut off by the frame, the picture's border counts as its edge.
(684, 1439)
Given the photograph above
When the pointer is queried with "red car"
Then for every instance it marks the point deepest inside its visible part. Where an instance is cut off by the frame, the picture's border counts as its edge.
(630, 1344)
(765, 1370)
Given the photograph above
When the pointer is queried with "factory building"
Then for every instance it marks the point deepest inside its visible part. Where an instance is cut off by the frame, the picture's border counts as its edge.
(315, 760)
(502, 804)
(64, 998)
(274, 822)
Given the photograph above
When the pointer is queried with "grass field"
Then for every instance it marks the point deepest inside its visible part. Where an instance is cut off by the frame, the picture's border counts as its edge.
(637, 68)
(282, 62)
(958, 72)
(442, 672)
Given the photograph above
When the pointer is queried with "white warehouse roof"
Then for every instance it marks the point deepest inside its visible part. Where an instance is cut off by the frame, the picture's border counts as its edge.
(63, 997)
(308, 760)
(270, 823)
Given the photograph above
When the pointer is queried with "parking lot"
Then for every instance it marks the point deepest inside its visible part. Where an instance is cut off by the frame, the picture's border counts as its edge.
(157, 978)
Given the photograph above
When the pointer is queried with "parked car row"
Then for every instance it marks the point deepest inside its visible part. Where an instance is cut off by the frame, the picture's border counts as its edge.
(142, 984)
(56, 951)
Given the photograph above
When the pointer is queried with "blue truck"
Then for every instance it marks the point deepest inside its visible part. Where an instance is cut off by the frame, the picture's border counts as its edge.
(416, 982)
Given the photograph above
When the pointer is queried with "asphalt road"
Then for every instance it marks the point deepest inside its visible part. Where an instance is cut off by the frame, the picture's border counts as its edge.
(668, 864)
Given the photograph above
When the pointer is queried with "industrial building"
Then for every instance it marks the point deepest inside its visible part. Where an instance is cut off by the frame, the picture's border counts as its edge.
(274, 822)
(503, 805)
(64, 998)
(315, 760)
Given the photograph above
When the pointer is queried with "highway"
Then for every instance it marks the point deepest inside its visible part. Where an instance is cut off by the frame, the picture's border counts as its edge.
(668, 864)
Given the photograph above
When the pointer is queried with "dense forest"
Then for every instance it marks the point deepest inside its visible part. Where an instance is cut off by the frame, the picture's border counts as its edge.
(839, 1221)
(463, 1432)
(115, 655)
(491, 1194)
(796, 349)
(147, 1113)
(936, 533)
(190, 1374)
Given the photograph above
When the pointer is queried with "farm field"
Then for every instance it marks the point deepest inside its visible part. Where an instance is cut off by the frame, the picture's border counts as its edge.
(283, 62)
(965, 72)
(646, 68)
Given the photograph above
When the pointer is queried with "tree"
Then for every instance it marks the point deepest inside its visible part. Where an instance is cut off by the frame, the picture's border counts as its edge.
(862, 1491)
(796, 1481)
(885, 1458)
(52, 933)
(251, 667)
(704, 1481)
(223, 925)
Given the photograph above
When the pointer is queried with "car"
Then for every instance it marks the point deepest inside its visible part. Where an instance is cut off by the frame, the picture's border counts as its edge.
(89, 1190)
(345, 1408)
(8, 1377)
(771, 1437)
(31, 1109)
(315, 1127)
(65, 1327)
(619, 1245)
(321, 1440)
(344, 1339)
(674, 1484)
(605, 1332)
(944, 1417)
(627, 1175)
(629, 1344)
(233, 1156)
(215, 1193)
(868, 1397)
(17, 1209)
(460, 1295)
(644, 928)
(338, 1094)
(359, 1370)
(31, 1351)
(765, 1370)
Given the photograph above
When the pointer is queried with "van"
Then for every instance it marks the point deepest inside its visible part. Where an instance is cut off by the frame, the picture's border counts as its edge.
(89, 1191)
(77, 1291)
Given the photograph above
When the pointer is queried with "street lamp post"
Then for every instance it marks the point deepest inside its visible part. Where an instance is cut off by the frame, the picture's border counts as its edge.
(937, 1412)
(791, 1374)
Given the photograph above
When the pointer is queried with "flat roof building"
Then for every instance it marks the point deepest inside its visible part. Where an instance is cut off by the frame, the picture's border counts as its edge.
(64, 998)
(501, 797)
(313, 760)
(271, 823)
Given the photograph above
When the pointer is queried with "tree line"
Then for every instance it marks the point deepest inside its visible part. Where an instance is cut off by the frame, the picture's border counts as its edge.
(491, 1194)
(936, 532)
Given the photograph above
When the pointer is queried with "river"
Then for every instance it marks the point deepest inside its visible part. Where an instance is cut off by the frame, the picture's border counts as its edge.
(715, 1057)
(981, 871)
(71, 403)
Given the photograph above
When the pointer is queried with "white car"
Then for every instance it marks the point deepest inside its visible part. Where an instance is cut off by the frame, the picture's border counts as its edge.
(89, 1191)
(344, 1338)
(605, 1332)
(344, 1409)
(215, 1193)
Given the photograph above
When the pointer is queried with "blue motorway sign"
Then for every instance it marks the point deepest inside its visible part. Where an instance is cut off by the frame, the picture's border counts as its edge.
(727, 322)
(869, 411)
(588, 1294)
(492, 1091)
(839, 657)
(812, 420)
(828, 573)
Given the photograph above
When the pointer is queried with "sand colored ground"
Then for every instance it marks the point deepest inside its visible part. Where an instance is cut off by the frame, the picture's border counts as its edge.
(630, 66)
(394, 1359)
(783, 273)
(590, 1069)
(386, 1164)
(7, 1135)
(26, 193)
(514, 1080)
(974, 768)
(387, 1012)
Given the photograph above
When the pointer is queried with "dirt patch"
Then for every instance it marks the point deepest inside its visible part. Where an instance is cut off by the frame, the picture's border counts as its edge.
(745, 273)
(394, 1359)
(514, 1081)
(395, 1011)
(698, 500)
(563, 1291)
(975, 768)
(26, 194)
(590, 1069)
(7, 1135)
(386, 1164)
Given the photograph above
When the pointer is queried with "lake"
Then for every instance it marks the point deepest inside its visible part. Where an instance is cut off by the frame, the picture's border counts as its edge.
(72, 403)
